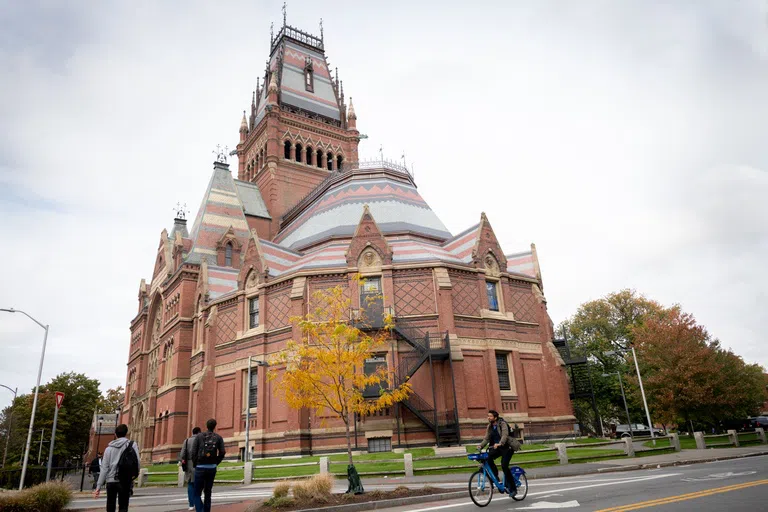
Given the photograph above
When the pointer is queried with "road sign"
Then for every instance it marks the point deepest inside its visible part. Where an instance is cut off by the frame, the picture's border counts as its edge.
(59, 399)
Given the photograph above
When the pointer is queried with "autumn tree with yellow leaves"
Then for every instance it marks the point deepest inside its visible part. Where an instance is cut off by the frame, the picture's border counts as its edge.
(323, 371)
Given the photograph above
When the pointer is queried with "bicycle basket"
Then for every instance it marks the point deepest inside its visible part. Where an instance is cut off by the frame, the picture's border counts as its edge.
(482, 456)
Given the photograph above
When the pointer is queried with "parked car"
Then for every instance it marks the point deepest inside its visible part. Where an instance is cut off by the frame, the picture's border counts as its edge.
(739, 425)
(759, 422)
(638, 429)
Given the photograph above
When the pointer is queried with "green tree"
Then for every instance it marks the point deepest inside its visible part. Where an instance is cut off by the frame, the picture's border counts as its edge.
(112, 400)
(81, 396)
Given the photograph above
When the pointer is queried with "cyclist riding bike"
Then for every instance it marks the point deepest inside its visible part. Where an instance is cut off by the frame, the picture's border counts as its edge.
(499, 436)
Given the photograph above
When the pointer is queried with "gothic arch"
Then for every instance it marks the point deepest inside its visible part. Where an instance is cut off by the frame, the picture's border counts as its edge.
(155, 324)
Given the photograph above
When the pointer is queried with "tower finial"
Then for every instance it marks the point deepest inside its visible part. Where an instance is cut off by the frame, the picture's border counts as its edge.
(244, 124)
(271, 33)
(321, 29)
(284, 15)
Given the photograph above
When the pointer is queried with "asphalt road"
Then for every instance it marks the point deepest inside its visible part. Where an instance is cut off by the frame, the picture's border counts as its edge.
(732, 485)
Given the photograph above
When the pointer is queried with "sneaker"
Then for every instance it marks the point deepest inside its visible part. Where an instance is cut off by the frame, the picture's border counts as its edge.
(191, 508)
(512, 492)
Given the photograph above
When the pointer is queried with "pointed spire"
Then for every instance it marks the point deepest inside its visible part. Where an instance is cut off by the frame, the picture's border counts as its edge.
(351, 116)
(342, 91)
(244, 124)
(272, 91)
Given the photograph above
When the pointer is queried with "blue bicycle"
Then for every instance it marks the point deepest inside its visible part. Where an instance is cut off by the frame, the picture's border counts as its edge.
(482, 481)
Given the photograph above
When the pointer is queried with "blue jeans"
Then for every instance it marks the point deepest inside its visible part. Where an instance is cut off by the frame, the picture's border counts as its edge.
(191, 493)
(203, 484)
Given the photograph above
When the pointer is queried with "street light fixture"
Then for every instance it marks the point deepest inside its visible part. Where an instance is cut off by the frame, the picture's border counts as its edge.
(642, 390)
(10, 421)
(37, 388)
(624, 398)
(247, 449)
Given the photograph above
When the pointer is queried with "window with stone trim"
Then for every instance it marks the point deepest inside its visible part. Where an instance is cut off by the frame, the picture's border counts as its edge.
(371, 366)
(228, 255)
(491, 288)
(502, 369)
(253, 312)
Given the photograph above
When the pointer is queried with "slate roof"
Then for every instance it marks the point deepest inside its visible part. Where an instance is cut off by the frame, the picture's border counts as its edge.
(221, 208)
(394, 203)
(251, 199)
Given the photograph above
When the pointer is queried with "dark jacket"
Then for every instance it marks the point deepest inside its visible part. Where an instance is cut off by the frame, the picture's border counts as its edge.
(195, 448)
(504, 430)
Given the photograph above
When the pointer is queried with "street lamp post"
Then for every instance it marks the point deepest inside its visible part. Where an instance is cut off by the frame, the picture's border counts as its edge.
(34, 401)
(10, 421)
(40, 452)
(642, 390)
(247, 450)
(624, 398)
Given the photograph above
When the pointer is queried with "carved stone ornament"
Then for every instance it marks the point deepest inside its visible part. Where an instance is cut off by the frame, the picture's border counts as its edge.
(491, 266)
(252, 281)
(369, 259)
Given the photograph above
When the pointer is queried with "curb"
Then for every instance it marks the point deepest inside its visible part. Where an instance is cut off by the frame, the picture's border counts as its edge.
(396, 502)
(678, 463)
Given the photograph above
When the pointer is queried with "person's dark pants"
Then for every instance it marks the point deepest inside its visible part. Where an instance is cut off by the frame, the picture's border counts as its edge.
(120, 492)
(191, 493)
(95, 475)
(203, 484)
(505, 452)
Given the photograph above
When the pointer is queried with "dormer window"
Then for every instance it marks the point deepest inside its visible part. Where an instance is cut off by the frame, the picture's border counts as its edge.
(309, 79)
(228, 255)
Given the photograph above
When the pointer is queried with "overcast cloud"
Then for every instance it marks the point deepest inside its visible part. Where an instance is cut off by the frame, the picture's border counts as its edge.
(626, 139)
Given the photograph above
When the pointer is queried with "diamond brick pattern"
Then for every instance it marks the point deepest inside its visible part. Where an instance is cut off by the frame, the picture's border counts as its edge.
(278, 309)
(466, 296)
(317, 285)
(226, 326)
(414, 293)
(523, 304)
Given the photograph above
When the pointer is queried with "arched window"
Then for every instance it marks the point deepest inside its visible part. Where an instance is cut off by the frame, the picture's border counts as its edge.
(309, 155)
(261, 159)
(329, 161)
(287, 149)
(339, 160)
(319, 158)
(228, 255)
(298, 153)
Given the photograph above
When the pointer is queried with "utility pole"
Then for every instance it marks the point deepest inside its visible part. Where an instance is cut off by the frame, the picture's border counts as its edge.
(40, 451)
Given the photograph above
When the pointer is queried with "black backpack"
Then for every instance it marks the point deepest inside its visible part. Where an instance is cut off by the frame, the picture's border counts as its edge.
(127, 465)
(207, 451)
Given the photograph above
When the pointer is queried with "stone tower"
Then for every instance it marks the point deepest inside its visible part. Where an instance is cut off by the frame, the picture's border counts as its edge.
(300, 129)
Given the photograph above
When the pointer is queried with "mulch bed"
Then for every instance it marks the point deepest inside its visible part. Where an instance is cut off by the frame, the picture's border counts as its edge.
(348, 499)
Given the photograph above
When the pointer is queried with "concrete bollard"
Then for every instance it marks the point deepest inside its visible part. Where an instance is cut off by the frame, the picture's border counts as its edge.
(562, 454)
(408, 458)
(143, 475)
(700, 443)
(180, 481)
(247, 473)
(324, 466)
(734, 437)
(629, 447)
(674, 441)
(760, 434)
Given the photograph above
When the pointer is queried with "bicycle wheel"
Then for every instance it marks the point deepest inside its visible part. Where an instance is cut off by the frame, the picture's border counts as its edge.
(480, 488)
(522, 488)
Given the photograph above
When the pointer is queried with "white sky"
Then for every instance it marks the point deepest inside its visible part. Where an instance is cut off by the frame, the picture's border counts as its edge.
(626, 139)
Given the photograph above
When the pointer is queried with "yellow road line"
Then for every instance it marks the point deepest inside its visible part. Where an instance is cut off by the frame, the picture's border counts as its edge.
(683, 497)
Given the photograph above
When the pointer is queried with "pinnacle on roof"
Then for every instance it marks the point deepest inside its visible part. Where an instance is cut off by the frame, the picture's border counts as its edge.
(351, 112)
(244, 124)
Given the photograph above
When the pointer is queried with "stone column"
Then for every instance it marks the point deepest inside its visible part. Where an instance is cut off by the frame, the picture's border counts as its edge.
(324, 466)
(701, 444)
(293, 152)
(734, 437)
(247, 473)
(562, 454)
(629, 447)
(408, 458)
(323, 161)
(674, 441)
(180, 482)
(760, 434)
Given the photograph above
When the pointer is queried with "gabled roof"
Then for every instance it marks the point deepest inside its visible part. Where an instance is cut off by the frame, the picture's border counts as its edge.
(220, 209)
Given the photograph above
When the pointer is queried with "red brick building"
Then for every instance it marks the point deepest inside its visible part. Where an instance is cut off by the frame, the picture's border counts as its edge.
(304, 214)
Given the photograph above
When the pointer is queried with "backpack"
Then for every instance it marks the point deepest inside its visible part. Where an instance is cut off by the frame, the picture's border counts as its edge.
(207, 451)
(127, 465)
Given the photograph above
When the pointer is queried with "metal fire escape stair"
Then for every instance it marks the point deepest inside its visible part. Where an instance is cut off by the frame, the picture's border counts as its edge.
(427, 347)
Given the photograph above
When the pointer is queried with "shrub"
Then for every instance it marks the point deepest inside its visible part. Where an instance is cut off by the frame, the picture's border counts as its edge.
(282, 501)
(318, 489)
(377, 494)
(281, 489)
(50, 497)
(401, 489)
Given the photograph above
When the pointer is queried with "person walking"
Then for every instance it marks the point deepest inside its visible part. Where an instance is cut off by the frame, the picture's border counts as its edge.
(120, 466)
(95, 469)
(187, 463)
(208, 448)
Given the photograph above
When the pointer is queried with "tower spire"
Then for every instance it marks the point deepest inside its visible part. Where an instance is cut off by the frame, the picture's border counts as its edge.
(284, 15)
(351, 116)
